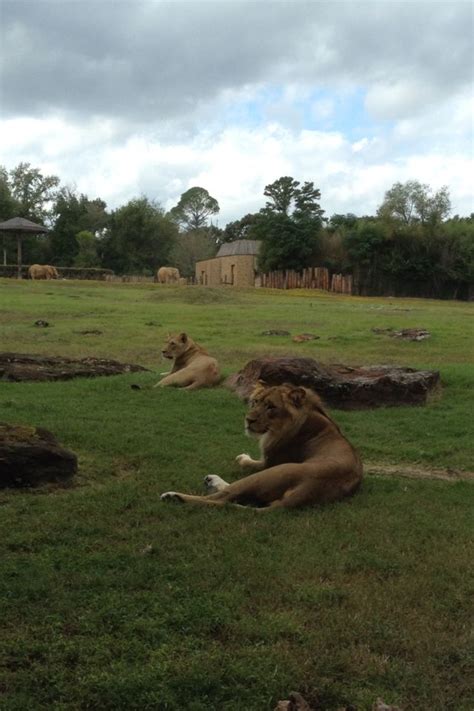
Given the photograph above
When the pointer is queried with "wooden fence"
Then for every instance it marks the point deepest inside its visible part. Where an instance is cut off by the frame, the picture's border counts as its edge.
(310, 278)
(341, 284)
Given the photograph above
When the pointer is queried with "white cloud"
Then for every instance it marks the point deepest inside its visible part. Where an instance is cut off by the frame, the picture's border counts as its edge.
(143, 105)
(233, 164)
(400, 98)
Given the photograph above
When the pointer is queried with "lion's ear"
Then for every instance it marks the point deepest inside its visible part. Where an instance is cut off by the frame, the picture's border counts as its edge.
(183, 337)
(297, 396)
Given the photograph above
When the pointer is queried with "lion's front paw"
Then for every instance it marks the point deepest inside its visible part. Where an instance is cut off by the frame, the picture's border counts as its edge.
(244, 460)
(214, 483)
(170, 496)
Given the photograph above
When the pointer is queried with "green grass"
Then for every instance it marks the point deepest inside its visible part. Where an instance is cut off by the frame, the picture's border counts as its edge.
(228, 610)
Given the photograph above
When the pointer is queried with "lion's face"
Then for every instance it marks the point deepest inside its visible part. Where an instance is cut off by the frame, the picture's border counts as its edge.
(175, 346)
(274, 409)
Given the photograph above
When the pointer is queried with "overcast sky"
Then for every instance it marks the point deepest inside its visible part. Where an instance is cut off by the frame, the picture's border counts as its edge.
(129, 97)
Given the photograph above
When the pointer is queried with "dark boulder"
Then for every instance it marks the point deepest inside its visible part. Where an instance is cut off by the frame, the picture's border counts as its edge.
(31, 456)
(340, 386)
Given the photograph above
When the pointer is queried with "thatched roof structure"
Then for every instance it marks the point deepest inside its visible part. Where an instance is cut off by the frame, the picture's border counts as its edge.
(18, 226)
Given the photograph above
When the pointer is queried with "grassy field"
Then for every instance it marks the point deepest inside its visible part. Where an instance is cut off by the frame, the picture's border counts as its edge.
(110, 599)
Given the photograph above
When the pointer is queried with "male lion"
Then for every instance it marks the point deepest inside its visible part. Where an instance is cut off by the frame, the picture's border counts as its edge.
(306, 459)
(193, 367)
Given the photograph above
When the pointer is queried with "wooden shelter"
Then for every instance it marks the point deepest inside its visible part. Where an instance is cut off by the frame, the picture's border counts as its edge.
(235, 264)
(19, 226)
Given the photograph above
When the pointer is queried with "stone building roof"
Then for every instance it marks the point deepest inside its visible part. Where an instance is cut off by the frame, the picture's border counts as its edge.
(239, 247)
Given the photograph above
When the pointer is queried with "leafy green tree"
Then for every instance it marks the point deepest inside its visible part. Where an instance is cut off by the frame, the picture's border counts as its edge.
(8, 209)
(342, 223)
(26, 192)
(457, 250)
(96, 218)
(288, 225)
(69, 209)
(286, 244)
(194, 209)
(74, 213)
(33, 192)
(190, 248)
(63, 243)
(282, 194)
(139, 239)
(87, 253)
(413, 202)
(333, 253)
(8, 205)
(366, 245)
(240, 229)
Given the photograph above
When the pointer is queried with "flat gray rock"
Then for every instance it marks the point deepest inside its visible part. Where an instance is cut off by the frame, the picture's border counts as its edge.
(16, 367)
(341, 386)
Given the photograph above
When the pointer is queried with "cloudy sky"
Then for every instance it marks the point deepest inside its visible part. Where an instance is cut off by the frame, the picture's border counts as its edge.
(128, 97)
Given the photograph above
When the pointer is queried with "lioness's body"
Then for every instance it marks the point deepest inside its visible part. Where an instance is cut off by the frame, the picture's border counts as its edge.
(42, 271)
(306, 460)
(193, 367)
(168, 275)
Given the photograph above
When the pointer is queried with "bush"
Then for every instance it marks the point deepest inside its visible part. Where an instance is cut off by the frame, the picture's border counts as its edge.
(11, 270)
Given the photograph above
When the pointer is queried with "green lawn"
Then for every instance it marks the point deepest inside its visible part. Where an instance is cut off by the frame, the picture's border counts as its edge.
(227, 610)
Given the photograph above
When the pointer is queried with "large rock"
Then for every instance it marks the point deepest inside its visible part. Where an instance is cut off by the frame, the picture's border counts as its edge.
(30, 456)
(340, 386)
(21, 366)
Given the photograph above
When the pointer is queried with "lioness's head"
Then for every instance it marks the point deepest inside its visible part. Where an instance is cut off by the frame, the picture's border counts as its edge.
(275, 410)
(176, 346)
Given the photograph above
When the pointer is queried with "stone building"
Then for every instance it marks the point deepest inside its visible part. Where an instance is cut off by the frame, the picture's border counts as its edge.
(235, 264)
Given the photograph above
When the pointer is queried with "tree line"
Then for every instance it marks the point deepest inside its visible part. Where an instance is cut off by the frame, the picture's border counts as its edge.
(410, 247)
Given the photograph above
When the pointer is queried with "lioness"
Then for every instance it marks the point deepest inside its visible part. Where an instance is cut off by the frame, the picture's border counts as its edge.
(305, 458)
(193, 367)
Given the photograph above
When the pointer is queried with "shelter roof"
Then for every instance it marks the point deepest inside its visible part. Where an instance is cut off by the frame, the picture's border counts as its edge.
(19, 224)
(239, 247)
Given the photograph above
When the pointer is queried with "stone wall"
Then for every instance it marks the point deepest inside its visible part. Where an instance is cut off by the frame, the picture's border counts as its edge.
(208, 272)
(238, 270)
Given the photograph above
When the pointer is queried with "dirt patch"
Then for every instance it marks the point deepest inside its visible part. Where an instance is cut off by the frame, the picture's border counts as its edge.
(302, 337)
(407, 334)
(414, 471)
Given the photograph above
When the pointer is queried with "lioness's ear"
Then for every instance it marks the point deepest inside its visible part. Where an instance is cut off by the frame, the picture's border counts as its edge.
(183, 337)
(297, 396)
